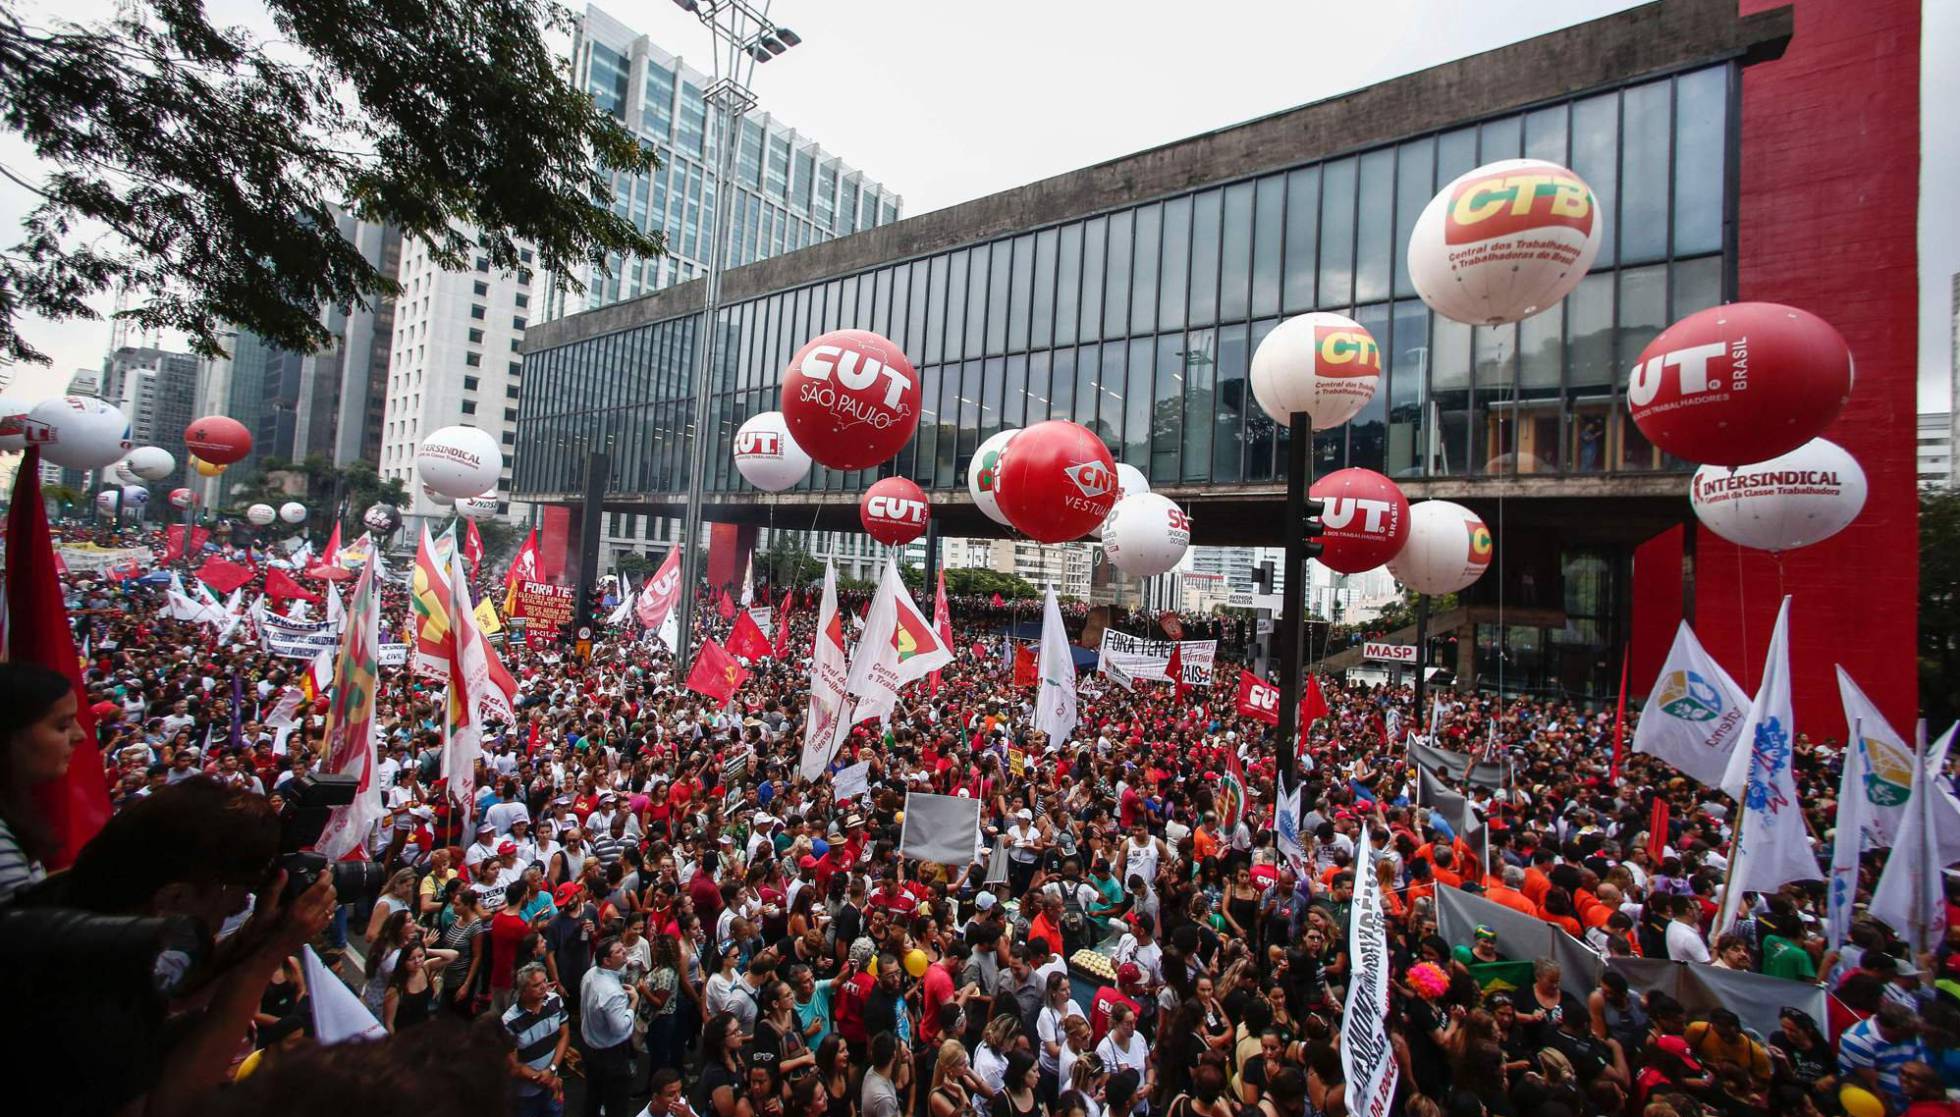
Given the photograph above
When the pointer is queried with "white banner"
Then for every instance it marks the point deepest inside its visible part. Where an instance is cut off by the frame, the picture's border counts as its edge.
(87, 558)
(1389, 653)
(944, 829)
(849, 783)
(1366, 1055)
(290, 639)
(1150, 660)
(393, 655)
(764, 616)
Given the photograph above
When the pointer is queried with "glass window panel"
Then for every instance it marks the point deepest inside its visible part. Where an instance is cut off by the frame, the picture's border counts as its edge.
(1643, 202)
(1139, 398)
(1041, 314)
(1495, 437)
(1449, 398)
(1544, 134)
(956, 281)
(1375, 231)
(1088, 389)
(970, 395)
(1268, 245)
(1337, 234)
(1095, 246)
(1206, 211)
(992, 385)
(934, 298)
(1261, 443)
(880, 318)
(976, 299)
(1174, 277)
(1406, 363)
(1697, 286)
(1367, 431)
(1701, 102)
(1302, 235)
(1539, 352)
(1199, 368)
(1037, 405)
(1143, 267)
(1007, 314)
(657, 107)
(1415, 173)
(1068, 286)
(1642, 315)
(1456, 154)
(949, 416)
(1110, 392)
(694, 121)
(1165, 416)
(1231, 403)
(1595, 156)
(1116, 279)
(1061, 387)
(899, 308)
(1235, 253)
(1500, 139)
(1014, 394)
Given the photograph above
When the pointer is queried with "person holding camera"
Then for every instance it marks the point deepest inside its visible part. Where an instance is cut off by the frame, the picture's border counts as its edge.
(39, 731)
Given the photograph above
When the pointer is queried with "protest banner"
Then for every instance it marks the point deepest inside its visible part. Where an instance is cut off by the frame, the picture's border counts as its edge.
(1149, 660)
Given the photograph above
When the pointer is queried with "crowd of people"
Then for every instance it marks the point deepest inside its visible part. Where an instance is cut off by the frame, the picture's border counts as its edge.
(648, 911)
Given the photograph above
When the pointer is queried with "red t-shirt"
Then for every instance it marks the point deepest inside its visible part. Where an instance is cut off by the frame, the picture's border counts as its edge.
(851, 997)
(938, 991)
(507, 931)
(1107, 998)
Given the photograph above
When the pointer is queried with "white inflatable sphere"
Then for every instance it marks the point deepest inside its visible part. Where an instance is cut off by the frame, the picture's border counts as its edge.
(78, 432)
(1802, 497)
(151, 463)
(122, 474)
(1146, 534)
(440, 500)
(478, 507)
(1449, 547)
(293, 512)
(1505, 241)
(1130, 481)
(259, 515)
(765, 454)
(983, 475)
(1323, 364)
(460, 461)
(135, 496)
(13, 422)
(108, 499)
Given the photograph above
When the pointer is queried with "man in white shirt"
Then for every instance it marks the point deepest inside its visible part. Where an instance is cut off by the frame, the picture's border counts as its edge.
(507, 810)
(1684, 942)
(483, 848)
(606, 1022)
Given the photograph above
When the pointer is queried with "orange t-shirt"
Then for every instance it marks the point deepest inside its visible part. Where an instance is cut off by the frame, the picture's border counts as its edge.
(1536, 884)
(1203, 844)
(1511, 898)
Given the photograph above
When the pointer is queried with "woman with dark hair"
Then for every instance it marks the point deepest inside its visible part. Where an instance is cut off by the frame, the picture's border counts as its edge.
(411, 989)
(40, 732)
(719, 1089)
(1020, 1093)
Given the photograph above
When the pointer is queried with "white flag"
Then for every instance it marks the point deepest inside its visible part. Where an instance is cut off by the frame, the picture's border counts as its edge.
(1771, 845)
(1853, 823)
(1694, 713)
(1054, 705)
(1884, 765)
(623, 612)
(1367, 1057)
(828, 670)
(336, 612)
(899, 645)
(748, 582)
(1286, 827)
(1911, 894)
(338, 1014)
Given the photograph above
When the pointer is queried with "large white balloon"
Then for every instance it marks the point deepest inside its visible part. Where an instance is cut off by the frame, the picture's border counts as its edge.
(135, 497)
(79, 432)
(478, 507)
(122, 474)
(1146, 534)
(765, 454)
(108, 499)
(151, 463)
(460, 462)
(1323, 364)
(1449, 547)
(259, 515)
(440, 500)
(1803, 497)
(293, 512)
(1130, 481)
(1504, 241)
(13, 422)
(983, 475)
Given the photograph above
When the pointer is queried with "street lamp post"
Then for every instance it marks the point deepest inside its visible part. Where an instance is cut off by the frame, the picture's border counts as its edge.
(743, 37)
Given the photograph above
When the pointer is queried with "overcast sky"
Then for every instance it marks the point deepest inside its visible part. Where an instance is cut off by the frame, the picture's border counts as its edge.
(949, 102)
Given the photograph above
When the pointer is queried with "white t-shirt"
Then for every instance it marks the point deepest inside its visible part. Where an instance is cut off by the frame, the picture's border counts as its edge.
(1149, 957)
(1049, 1025)
(1684, 943)
(1136, 1057)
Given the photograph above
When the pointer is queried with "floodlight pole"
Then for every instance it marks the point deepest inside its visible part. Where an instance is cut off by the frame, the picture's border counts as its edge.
(1293, 594)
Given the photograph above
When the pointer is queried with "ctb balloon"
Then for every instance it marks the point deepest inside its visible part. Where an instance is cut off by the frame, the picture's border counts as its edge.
(1056, 481)
(1366, 517)
(459, 461)
(894, 511)
(1741, 383)
(219, 439)
(1323, 364)
(1146, 534)
(766, 456)
(293, 512)
(851, 399)
(1790, 501)
(259, 515)
(1448, 548)
(984, 472)
(1504, 241)
(78, 432)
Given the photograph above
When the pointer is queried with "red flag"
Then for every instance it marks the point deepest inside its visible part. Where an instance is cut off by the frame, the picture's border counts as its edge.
(523, 568)
(328, 569)
(1313, 707)
(782, 627)
(715, 673)
(1231, 795)
(1027, 666)
(978, 648)
(659, 593)
(726, 606)
(1657, 830)
(223, 575)
(942, 623)
(472, 546)
(999, 601)
(280, 585)
(531, 736)
(76, 804)
(1175, 669)
(1258, 698)
(748, 640)
(1620, 720)
(175, 550)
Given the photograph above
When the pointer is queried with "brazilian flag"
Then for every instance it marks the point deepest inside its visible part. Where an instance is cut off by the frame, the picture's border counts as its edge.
(1501, 977)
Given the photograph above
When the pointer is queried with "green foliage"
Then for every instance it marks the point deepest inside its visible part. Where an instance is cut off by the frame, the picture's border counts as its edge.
(635, 565)
(218, 164)
(786, 563)
(324, 487)
(500, 540)
(969, 581)
(1939, 606)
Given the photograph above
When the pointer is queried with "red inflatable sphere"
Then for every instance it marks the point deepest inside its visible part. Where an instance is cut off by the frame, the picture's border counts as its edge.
(894, 511)
(1056, 481)
(1367, 519)
(218, 439)
(1739, 384)
(851, 399)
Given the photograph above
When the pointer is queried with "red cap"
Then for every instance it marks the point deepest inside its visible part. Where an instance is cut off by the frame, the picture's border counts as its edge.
(1678, 1047)
(506, 846)
(809, 862)
(566, 892)
(1128, 973)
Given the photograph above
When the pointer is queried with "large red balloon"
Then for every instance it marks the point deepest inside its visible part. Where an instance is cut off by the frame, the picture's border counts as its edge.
(894, 511)
(1738, 384)
(1056, 481)
(1367, 519)
(851, 399)
(219, 439)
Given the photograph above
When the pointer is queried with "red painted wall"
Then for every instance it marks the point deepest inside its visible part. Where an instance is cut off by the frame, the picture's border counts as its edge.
(729, 548)
(1656, 607)
(1829, 204)
(555, 542)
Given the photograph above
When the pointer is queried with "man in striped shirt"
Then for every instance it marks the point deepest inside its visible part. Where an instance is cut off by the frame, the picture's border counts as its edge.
(1872, 1051)
(539, 1030)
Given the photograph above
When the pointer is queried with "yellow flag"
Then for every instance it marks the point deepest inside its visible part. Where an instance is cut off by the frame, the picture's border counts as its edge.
(486, 617)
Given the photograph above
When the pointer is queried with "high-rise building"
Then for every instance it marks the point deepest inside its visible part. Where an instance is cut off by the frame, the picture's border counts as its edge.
(1066, 566)
(157, 389)
(1936, 448)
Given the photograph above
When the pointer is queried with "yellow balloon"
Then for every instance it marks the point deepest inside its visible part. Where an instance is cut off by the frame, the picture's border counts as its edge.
(916, 962)
(871, 965)
(206, 469)
(1860, 1102)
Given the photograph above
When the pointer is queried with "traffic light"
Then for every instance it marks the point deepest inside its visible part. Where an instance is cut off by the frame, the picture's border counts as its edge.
(1313, 529)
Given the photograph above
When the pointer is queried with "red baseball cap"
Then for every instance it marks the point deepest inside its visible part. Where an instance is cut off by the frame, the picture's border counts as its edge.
(1129, 973)
(506, 846)
(566, 892)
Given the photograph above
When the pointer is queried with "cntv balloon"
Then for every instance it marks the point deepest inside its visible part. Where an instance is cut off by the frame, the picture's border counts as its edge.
(218, 439)
(1367, 519)
(984, 472)
(1323, 364)
(1057, 481)
(1146, 534)
(1790, 501)
(459, 461)
(151, 463)
(293, 512)
(1741, 383)
(851, 399)
(894, 511)
(78, 432)
(182, 498)
(766, 456)
(1504, 241)
(259, 515)
(1448, 548)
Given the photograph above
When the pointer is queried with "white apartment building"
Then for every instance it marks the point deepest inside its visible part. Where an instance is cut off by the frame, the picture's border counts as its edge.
(1066, 566)
(1935, 449)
